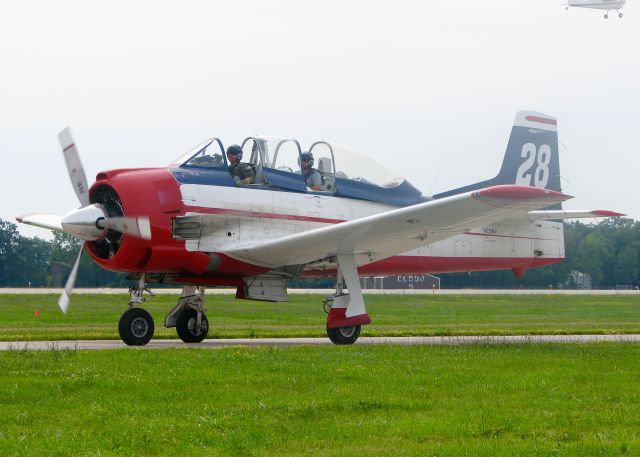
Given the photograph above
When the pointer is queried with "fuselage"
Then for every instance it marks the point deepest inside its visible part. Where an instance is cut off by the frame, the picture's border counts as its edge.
(260, 212)
(598, 4)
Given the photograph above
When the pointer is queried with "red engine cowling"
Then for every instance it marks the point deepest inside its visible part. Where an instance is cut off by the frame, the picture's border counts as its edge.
(153, 193)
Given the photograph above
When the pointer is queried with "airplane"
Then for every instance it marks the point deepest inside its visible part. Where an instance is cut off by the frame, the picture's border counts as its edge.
(607, 5)
(190, 224)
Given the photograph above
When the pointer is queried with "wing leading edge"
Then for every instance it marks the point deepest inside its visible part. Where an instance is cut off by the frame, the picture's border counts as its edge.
(396, 231)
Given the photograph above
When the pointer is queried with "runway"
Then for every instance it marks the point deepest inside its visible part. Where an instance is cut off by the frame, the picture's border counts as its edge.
(368, 341)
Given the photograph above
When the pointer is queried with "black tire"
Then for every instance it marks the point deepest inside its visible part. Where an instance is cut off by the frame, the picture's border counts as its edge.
(136, 327)
(186, 326)
(344, 335)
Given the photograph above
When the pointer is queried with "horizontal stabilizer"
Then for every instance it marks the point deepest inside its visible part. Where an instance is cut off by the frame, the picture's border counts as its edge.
(48, 221)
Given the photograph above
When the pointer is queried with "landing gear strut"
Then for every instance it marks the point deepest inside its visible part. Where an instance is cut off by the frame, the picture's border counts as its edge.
(346, 311)
(136, 324)
(188, 315)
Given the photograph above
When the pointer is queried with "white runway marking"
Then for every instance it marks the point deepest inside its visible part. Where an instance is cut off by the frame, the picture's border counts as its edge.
(399, 341)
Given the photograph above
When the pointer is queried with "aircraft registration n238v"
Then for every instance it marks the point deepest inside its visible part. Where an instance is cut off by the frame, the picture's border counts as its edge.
(190, 224)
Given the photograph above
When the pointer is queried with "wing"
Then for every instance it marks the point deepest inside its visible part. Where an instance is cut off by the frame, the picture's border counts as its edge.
(382, 235)
(571, 214)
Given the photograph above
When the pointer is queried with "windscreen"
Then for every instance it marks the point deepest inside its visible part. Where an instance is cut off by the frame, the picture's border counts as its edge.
(208, 154)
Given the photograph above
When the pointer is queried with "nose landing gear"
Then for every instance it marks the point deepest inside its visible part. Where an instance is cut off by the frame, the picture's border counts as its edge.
(136, 325)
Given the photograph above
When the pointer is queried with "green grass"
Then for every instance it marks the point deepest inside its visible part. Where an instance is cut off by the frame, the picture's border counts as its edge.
(96, 317)
(497, 400)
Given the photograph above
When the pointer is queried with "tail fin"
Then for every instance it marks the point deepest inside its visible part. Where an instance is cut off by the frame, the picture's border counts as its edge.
(531, 158)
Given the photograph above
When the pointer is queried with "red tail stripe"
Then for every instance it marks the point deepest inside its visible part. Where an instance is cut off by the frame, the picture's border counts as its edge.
(541, 120)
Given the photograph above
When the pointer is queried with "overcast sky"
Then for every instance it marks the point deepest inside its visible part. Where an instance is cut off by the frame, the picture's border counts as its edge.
(430, 88)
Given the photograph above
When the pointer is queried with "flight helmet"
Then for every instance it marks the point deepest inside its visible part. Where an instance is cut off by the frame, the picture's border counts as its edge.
(306, 157)
(235, 150)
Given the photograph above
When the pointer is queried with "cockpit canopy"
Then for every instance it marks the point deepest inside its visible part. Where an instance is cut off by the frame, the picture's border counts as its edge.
(276, 162)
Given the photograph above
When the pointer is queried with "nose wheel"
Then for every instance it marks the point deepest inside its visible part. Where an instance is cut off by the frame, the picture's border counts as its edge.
(136, 327)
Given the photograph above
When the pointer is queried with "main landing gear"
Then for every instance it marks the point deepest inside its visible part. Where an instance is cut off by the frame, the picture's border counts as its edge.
(620, 15)
(346, 311)
(188, 316)
(136, 325)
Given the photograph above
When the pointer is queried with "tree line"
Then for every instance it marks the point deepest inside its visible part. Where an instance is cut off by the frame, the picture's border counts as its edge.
(34, 262)
(609, 252)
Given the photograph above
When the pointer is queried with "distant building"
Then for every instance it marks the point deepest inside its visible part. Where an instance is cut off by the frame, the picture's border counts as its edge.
(578, 280)
(401, 282)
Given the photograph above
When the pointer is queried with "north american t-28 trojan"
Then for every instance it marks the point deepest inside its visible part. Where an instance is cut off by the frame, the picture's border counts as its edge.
(191, 223)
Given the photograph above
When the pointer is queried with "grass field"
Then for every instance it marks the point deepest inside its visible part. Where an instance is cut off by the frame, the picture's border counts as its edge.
(96, 316)
(498, 400)
(484, 400)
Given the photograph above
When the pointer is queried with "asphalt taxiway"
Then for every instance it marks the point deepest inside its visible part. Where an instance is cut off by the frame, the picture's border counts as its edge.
(399, 341)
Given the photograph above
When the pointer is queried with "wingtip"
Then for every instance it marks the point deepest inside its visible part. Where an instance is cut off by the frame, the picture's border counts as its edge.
(607, 213)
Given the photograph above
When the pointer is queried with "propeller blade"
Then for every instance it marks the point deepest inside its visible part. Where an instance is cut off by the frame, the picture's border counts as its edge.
(48, 221)
(74, 166)
(63, 301)
(139, 227)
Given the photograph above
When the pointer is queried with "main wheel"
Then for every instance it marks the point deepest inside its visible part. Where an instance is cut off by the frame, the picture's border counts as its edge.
(136, 327)
(344, 335)
(187, 327)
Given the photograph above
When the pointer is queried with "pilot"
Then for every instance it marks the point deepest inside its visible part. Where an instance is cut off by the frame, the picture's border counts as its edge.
(312, 177)
(241, 172)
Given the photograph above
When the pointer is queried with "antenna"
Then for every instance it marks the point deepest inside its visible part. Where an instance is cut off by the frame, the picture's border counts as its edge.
(435, 180)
